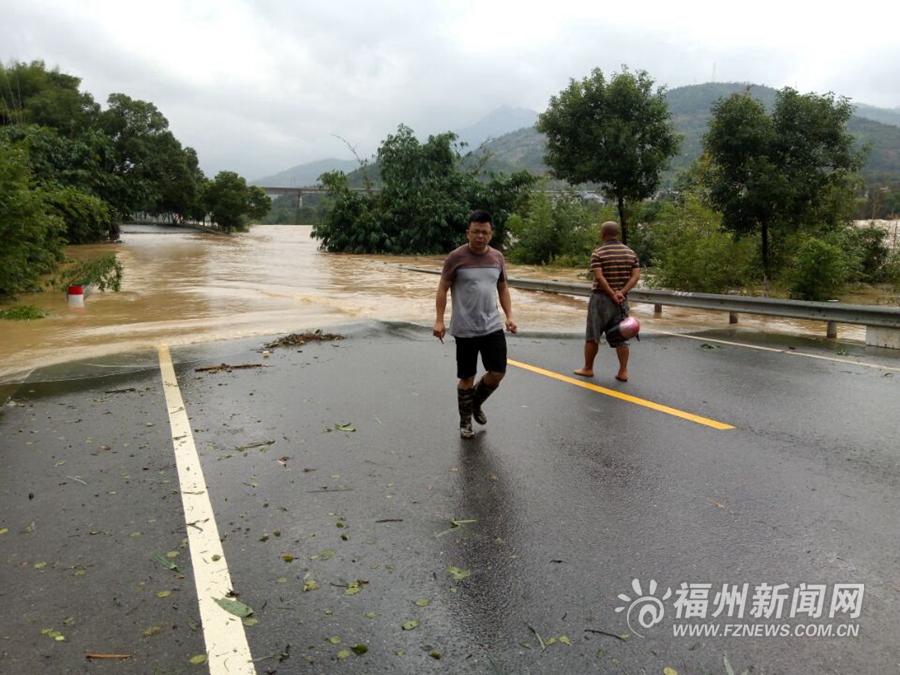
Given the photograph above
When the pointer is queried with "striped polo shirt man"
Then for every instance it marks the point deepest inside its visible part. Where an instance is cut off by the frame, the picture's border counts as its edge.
(616, 261)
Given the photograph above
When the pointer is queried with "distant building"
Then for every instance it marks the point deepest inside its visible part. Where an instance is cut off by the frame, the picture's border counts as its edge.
(588, 196)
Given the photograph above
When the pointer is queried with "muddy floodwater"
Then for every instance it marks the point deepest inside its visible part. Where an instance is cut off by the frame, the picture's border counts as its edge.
(182, 286)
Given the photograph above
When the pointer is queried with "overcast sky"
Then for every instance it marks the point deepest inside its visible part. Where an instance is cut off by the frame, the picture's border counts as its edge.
(259, 86)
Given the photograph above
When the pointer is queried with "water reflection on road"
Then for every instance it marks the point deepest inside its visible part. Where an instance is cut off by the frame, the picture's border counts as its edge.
(182, 286)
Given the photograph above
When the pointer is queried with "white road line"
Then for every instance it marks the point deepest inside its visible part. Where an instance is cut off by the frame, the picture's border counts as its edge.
(226, 642)
(789, 352)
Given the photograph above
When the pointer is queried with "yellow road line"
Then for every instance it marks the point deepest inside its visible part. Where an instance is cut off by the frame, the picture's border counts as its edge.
(226, 642)
(624, 397)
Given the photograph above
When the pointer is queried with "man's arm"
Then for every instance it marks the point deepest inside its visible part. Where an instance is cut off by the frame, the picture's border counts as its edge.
(506, 305)
(632, 281)
(603, 283)
(617, 296)
(440, 306)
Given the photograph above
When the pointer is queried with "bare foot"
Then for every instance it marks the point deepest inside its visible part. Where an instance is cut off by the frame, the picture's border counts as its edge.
(622, 378)
(584, 372)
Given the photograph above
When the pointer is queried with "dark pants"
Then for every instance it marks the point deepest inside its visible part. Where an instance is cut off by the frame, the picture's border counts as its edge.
(492, 348)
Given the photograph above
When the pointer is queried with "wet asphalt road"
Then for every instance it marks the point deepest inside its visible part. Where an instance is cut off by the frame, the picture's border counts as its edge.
(352, 514)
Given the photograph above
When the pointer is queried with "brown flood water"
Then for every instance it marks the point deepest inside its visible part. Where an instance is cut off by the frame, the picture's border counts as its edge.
(182, 286)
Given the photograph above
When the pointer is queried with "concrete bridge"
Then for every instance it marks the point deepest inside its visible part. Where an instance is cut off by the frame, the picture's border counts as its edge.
(298, 192)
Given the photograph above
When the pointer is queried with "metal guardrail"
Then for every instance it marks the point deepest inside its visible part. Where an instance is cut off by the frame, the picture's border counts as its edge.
(864, 315)
(882, 323)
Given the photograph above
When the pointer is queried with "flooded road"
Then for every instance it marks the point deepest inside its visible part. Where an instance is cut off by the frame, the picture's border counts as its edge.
(182, 286)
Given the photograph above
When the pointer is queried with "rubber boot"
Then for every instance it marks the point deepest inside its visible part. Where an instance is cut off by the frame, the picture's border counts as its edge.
(482, 391)
(465, 397)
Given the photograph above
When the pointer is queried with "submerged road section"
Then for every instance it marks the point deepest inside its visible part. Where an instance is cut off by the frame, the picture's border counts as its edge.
(252, 507)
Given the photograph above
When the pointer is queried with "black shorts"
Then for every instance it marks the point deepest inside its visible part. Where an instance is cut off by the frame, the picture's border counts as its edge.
(493, 354)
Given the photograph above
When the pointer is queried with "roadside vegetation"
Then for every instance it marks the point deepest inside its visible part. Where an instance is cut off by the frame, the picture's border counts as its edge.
(766, 207)
(423, 200)
(22, 313)
(71, 172)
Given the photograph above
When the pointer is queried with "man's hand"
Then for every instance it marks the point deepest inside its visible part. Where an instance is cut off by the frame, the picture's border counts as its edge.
(619, 297)
(511, 326)
(439, 331)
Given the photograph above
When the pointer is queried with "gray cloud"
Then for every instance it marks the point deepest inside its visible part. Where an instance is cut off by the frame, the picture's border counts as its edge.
(259, 86)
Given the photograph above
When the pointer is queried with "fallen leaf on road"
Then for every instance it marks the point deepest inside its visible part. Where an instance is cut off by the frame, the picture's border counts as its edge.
(165, 562)
(344, 426)
(234, 607)
(458, 574)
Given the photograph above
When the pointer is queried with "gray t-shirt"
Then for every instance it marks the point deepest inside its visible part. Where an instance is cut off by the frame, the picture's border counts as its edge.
(473, 280)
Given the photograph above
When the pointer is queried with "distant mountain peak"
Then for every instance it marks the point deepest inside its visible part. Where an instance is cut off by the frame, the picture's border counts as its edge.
(498, 122)
(306, 175)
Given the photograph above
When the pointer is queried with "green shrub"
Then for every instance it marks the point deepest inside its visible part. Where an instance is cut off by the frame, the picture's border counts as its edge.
(891, 269)
(22, 313)
(552, 231)
(818, 272)
(867, 246)
(105, 273)
(693, 253)
(87, 218)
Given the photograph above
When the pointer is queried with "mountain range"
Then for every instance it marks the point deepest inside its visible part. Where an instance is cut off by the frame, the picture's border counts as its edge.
(508, 135)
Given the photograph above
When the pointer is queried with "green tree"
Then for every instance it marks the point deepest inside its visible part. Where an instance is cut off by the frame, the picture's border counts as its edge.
(422, 199)
(66, 170)
(693, 253)
(789, 170)
(230, 201)
(55, 158)
(552, 231)
(138, 131)
(31, 234)
(258, 202)
(423, 202)
(31, 94)
(618, 134)
(125, 155)
(350, 222)
(868, 247)
(88, 218)
(891, 207)
(178, 178)
(502, 195)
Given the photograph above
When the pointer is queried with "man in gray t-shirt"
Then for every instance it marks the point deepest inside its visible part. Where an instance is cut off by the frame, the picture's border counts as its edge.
(475, 275)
